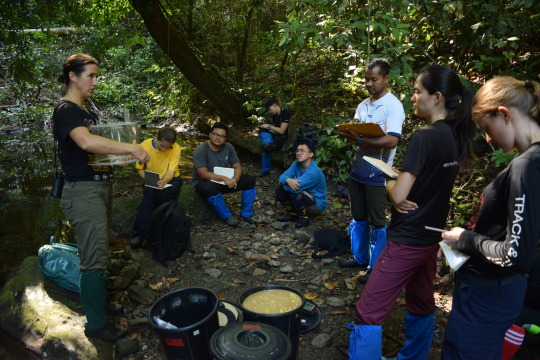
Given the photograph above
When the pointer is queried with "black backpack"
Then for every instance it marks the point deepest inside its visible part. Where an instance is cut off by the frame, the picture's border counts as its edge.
(308, 132)
(168, 232)
(333, 241)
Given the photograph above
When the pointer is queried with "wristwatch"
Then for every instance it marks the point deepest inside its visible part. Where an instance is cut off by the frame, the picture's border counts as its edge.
(268, 127)
(359, 140)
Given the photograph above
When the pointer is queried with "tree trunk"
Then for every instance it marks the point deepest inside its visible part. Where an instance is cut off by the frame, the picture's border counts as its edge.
(183, 55)
(241, 58)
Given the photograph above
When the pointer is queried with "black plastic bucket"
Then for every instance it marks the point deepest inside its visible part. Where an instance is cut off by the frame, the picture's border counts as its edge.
(228, 313)
(185, 321)
(288, 322)
(250, 341)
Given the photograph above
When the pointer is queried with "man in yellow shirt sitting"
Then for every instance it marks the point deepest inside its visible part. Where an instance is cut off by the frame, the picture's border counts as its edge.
(164, 158)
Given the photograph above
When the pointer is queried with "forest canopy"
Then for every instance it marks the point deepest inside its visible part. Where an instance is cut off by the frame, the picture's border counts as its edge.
(191, 60)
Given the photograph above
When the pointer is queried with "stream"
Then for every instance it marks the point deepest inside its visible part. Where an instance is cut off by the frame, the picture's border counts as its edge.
(29, 216)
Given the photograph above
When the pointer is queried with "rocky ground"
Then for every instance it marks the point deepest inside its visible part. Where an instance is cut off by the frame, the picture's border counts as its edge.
(231, 261)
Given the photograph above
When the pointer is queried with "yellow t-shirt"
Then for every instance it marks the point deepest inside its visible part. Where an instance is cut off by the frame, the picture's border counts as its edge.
(160, 161)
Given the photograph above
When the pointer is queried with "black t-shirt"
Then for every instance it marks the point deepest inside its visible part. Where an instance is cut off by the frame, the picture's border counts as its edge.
(507, 231)
(432, 155)
(66, 117)
(283, 117)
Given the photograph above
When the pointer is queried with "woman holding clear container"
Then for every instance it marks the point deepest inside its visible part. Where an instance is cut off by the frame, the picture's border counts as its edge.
(87, 194)
(490, 286)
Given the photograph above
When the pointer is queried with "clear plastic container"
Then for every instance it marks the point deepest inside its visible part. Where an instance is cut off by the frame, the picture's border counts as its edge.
(125, 132)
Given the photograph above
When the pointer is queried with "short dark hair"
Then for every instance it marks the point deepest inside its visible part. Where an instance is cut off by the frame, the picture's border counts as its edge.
(381, 63)
(167, 134)
(271, 101)
(76, 63)
(220, 125)
(309, 143)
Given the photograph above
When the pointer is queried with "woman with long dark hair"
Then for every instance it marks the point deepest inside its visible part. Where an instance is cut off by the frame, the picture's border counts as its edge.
(490, 286)
(87, 195)
(420, 197)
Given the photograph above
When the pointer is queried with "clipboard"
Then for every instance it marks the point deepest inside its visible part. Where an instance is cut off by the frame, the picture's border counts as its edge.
(381, 165)
(151, 178)
(365, 129)
(223, 171)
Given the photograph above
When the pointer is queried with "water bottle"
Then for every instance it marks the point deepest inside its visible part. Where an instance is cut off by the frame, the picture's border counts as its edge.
(531, 328)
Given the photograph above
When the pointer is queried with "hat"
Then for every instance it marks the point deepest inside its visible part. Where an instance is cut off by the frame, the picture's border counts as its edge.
(309, 143)
(271, 101)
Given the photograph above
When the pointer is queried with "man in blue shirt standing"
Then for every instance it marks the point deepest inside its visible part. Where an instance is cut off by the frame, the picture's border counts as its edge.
(367, 192)
(302, 186)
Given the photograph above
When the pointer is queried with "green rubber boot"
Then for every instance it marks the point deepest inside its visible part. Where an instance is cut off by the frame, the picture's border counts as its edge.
(94, 299)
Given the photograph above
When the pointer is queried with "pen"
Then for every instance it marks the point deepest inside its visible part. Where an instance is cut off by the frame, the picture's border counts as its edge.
(434, 229)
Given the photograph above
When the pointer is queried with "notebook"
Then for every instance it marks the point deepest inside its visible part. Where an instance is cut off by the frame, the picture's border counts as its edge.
(455, 258)
(224, 171)
(366, 129)
(381, 165)
(151, 178)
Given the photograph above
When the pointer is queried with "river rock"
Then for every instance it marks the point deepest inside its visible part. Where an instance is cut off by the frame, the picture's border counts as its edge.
(126, 277)
(142, 295)
(258, 236)
(35, 311)
(278, 225)
(302, 236)
(335, 301)
(258, 272)
(125, 347)
(286, 269)
(215, 273)
(321, 341)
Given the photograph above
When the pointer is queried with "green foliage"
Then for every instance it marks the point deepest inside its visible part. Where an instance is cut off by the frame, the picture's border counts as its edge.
(334, 156)
(500, 158)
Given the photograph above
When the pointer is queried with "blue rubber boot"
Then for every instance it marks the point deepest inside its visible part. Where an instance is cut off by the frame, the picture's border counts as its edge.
(266, 161)
(376, 245)
(266, 138)
(359, 233)
(419, 332)
(365, 342)
(218, 204)
(248, 198)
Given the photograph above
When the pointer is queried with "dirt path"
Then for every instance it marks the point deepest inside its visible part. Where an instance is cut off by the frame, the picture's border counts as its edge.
(232, 261)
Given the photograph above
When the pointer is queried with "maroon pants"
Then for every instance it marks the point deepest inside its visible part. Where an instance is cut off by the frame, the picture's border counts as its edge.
(399, 266)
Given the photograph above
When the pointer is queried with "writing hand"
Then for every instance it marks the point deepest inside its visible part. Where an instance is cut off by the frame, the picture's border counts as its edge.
(231, 183)
(451, 237)
(161, 184)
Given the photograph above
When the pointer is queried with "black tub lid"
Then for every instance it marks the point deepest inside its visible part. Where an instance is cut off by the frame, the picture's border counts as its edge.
(250, 340)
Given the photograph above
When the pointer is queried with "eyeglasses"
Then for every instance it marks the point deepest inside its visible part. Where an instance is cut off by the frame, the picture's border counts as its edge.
(219, 136)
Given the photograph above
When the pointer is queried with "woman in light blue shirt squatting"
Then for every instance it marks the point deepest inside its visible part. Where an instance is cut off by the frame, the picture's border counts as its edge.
(302, 186)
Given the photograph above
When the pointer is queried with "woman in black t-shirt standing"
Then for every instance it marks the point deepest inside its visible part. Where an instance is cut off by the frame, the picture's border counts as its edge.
(490, 286)
(420, 197)
(87, 194)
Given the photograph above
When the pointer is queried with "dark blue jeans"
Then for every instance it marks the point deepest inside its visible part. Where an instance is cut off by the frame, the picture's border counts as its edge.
(299, 201)
(152, 198)
(481, 314)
